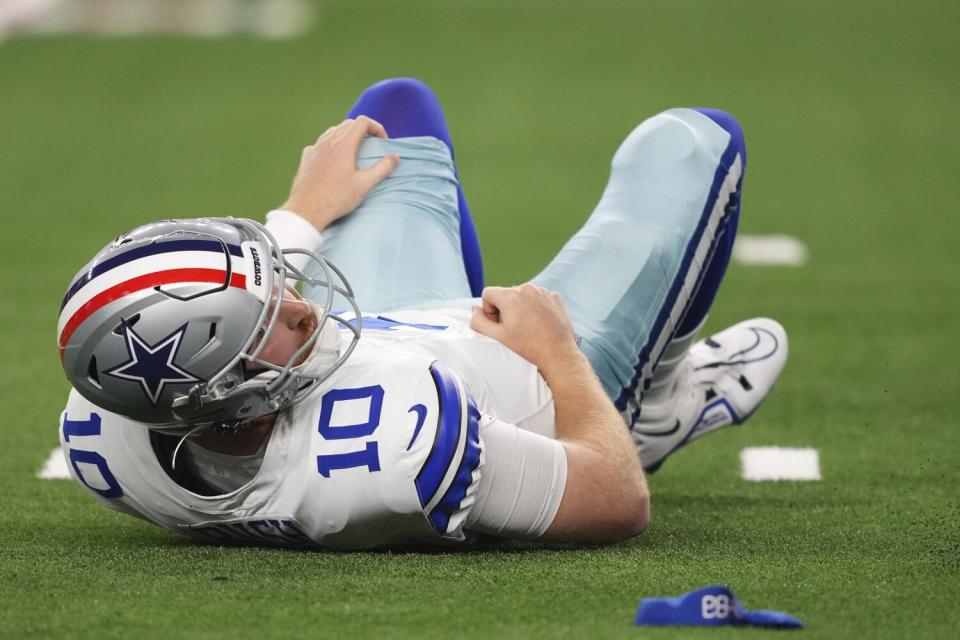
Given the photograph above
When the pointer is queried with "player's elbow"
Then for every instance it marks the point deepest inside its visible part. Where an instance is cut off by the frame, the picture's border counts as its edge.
(635, 513)
(641, 512)
(632, 500)
(606, 500)
(625, 515)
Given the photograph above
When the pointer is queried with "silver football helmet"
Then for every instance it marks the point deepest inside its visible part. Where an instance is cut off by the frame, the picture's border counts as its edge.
(167, 324)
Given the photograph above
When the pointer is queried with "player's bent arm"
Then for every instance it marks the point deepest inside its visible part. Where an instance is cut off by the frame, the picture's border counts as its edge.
(605, 497)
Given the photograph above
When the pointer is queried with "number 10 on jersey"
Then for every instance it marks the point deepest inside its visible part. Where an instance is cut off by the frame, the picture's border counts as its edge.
(366, 456)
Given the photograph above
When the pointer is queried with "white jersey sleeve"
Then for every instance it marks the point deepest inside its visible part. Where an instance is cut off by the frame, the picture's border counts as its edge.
(293, 232)
(522, 484)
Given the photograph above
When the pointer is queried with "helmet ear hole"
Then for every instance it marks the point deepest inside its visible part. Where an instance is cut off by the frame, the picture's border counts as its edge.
(93, 376)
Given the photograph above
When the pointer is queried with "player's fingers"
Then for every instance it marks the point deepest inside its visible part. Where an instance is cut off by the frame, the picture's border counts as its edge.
(384, 167)
(340, 131)
(497, 296)
(490, 309)
(374, 128)
(481, 323)
(364, 126)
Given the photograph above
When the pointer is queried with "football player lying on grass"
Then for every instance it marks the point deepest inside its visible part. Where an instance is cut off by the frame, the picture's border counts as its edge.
(333, 378)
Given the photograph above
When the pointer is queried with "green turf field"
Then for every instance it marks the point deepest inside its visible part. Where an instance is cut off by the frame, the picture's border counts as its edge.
(849, 110)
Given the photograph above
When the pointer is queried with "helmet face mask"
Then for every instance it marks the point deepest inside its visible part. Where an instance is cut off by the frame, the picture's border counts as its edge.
(163, 325)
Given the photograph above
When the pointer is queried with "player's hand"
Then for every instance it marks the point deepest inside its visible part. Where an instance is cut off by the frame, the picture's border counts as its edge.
(531, 321)
(328, 184)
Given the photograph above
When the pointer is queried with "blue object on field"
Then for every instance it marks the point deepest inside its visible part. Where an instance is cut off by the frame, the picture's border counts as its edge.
(709, 606)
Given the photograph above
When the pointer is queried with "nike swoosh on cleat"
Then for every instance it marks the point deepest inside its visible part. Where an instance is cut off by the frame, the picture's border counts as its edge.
(772, 345)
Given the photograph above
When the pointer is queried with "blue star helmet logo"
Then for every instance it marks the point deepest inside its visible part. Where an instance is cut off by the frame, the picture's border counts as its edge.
(152, 364)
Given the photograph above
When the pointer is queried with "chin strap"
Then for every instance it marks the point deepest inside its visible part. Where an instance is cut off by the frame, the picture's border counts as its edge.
(176, 450)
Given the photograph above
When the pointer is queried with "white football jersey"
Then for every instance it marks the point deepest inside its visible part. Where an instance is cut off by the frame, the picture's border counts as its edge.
(386, 451)
(502, 383)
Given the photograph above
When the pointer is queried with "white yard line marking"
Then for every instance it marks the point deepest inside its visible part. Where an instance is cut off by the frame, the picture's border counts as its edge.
(780, 463)
(55, 468)
(271, 19)
(773, 250)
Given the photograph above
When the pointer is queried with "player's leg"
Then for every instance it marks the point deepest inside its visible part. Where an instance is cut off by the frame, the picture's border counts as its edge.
(404, 246)
(629, 274)
(717, 381)
(641, 274)
(401, 247)
(408, 108)
(668, 366)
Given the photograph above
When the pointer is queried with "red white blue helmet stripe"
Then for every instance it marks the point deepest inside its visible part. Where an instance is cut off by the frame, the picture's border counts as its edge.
(175, 262)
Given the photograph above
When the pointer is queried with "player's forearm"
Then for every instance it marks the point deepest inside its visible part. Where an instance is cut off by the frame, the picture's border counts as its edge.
(584, 413)
(606, 486)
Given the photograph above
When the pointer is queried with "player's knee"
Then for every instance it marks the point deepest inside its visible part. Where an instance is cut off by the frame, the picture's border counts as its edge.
(676, 126)
(667, 152)
(403, 93)
(719, 116)
(730, 124)
(661, 141)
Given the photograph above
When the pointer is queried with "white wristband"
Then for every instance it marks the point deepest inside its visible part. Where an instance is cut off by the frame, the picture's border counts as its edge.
(293, 232)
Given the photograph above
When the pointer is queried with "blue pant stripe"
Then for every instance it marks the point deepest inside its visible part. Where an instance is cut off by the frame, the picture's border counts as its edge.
(726, 162)
(716, 265)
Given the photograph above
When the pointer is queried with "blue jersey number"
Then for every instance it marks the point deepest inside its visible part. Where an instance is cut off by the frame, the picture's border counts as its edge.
(109, 487)
(368, 456)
